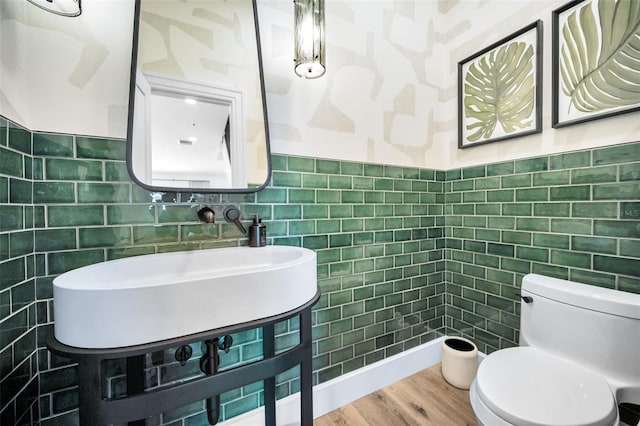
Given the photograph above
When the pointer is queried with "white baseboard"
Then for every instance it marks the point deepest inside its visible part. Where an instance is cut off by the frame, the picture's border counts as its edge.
(344, 389)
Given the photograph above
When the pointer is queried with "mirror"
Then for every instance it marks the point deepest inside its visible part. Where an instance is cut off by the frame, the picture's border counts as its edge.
(197, 110)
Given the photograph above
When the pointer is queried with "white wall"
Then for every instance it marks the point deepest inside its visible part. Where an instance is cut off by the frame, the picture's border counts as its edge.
(389, 95)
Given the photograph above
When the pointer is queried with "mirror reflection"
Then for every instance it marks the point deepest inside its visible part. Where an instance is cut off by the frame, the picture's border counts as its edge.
(197, 116)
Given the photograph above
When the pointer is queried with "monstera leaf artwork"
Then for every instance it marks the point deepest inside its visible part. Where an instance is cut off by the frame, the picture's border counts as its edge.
(597, 68)
(499, 91)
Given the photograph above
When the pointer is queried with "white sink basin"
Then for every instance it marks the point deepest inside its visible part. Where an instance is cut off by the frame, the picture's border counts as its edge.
(149, 298)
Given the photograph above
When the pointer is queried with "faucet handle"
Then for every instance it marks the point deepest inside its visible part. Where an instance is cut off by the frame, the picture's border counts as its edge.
(232, 214)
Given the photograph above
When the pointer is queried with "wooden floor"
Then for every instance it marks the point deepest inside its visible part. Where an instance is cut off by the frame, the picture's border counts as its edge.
(423, 399)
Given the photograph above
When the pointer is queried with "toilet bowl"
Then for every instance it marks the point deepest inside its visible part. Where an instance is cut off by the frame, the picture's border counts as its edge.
(525, 386)
(577, 359)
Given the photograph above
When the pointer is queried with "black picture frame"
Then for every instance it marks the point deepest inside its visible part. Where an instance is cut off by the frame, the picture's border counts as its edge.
(520, 111)
(590, 78)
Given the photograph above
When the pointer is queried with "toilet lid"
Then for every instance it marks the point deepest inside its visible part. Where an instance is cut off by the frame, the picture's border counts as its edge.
(527, 387)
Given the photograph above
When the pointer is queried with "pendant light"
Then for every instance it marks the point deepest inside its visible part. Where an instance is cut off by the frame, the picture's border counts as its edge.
(309, 38)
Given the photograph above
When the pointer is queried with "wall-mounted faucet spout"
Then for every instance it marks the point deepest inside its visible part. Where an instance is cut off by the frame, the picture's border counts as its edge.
(232, 214)
(207, 215)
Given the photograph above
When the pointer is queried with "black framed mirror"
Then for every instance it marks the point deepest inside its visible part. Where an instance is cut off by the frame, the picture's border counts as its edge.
(197, 109)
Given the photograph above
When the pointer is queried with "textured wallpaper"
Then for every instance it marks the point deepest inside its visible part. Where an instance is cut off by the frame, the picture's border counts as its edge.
(390, 91)
(66, 74)
(481, 23)
(377, 100)
(389, 95)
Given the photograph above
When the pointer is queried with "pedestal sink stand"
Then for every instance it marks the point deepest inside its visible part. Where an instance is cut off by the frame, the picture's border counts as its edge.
(140, 403)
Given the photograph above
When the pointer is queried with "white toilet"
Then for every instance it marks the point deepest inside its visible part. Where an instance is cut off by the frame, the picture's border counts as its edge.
(579, 357)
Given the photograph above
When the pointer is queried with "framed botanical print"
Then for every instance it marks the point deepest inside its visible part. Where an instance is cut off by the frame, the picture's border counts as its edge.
(500, 89)
(596, 60)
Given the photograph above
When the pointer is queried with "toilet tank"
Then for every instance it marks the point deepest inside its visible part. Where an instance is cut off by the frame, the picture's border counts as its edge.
(595, 327)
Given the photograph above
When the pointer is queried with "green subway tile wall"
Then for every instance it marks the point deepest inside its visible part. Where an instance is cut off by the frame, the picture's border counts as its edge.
(19, 309)
(404, 254)
(377, 231)
(572, 216)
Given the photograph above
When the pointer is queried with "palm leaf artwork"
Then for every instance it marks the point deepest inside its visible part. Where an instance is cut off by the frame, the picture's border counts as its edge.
(500, 88)
(600, 56)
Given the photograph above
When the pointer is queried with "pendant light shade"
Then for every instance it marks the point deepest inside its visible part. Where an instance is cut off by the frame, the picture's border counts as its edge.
(59, 7)
(309, 38)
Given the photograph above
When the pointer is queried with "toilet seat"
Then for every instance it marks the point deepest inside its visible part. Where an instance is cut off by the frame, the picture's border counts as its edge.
(528, 387)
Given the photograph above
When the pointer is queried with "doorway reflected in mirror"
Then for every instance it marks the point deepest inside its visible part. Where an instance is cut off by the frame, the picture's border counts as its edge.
(197, 116)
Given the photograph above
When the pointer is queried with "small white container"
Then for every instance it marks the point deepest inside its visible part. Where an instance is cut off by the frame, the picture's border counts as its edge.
(459, 361)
